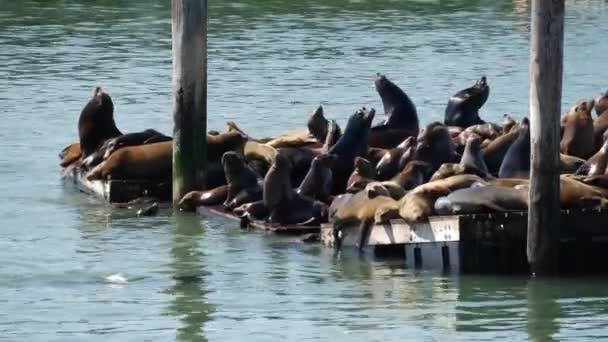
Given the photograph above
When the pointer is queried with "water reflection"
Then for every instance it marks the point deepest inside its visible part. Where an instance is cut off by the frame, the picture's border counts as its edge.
(543, 311)
(188, 302)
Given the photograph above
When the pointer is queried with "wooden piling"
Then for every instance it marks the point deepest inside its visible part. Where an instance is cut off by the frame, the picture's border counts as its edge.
(546, 55)
(189, 34)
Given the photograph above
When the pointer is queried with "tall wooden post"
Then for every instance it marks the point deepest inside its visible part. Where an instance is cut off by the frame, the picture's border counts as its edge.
(189, 33)
(546, 55)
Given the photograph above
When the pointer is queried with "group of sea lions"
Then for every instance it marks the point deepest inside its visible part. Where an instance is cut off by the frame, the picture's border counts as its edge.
(364, 173)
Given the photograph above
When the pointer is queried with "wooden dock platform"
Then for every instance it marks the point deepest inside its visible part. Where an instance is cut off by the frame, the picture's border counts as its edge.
(116, 191)
(484, 243)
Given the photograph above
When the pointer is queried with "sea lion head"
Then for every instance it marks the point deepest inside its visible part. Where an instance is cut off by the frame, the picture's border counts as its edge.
(601, 103)
(364, 167)
(584, 107)
(233, 164)
(317, 124)
(508, 123)
(375, 189)
(103, 99)
(435, 144)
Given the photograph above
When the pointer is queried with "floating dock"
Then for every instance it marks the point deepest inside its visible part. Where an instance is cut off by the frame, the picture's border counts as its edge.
(483, 243)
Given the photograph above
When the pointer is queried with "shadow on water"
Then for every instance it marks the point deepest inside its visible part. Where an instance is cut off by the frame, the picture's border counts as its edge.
(187, 269)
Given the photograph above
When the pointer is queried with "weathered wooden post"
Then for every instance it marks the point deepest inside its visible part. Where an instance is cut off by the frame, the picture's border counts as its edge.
(189, 33)
(546, 55)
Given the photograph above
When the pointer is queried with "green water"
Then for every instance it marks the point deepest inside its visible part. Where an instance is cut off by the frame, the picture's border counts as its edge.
(73, 269)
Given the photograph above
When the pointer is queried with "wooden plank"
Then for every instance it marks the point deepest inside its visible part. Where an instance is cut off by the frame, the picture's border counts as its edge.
(260, 225)
(546, 54)
(189, 36)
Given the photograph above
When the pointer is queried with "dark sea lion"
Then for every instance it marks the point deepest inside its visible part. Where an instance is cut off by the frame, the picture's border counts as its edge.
(472, 157)
(601, 103)
(254, 210)
(142, 162)
(494, 153)
(388, 166)
(516, 163)
(193, 199)
(243, 182)
(375, 154)
(317, 182)
(300, 160)
(283, 203)
(600, 126)
(70, 154)
(317, 124)
(435, 146)
(337, 203)
(150, 210)
(418, 204)
(363, 174)
(96, 123)
(577, 139)
(415, 173)
(576, 194)
(397, 105)
(463, 108)
(485, 131)
(353, 143)
(482, 199)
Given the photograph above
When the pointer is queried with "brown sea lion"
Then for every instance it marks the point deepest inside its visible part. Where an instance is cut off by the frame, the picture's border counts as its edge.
(596, 165)
(570, 164)
(472, 157)
(414, 174)
(333, 135)
(601, 103)
(576, 194)
(418, 204)
(148, 162)
(283, 203)
(578, 136)
(435, 146)
(494, 153)
(516, 162)
(362, 175)
(485, 131)
(70, 154)
(463, 107)
(211, 197)
(96, 123)
(509, 182)
(452, 169)
(388, 166)
(253, 210)
(600, 126)
(219, 144)
(317, 182)
(243, 182)
(482, 199)
(375, 154)
(390, 189)
(132, 139)
(508, 123)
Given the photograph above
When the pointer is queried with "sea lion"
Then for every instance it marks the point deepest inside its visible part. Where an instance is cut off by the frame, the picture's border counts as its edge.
(337, 203)
(418, 204)
(219, 144)
(472, 157)
(482, 199)
(193, 199)
(494, 153)
(600, 126)
(243, 182)
(415, 173)
(601, 103)
(317, 182)
(70, 154)
(362, 175)
(333, 135)
(96, 122)
(516, 163)
(485, 131)
(147, 162)
(317, 124)
(397, 105)
(570, 164)
(435, 146)
(577, 139)
(132, 139)
(283, 203)
(463, 107)
(453, 169)
(388, 188)
(253, 210)
(508, 123)
(596, 165)
(576, 194)
(353, 143)
(388, 166)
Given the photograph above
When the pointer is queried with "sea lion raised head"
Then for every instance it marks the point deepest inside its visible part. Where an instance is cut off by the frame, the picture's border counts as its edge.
(277, 183)
(318, 181)
(397, 105)
(578, 136)
(516, 162)
(601, 103)
(472, 157)
(96, 123)
(463, 107)
(363, 174)
(318, 124)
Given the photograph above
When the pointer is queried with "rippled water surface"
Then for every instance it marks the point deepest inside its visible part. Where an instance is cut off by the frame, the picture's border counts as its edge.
(73, 269)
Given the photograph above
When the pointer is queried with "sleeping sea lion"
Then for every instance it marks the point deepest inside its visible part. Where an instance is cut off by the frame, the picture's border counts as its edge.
(96, 123)
(578, 136)
(463, 107)
(516, 162)
(482, 199)
(193, 199)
